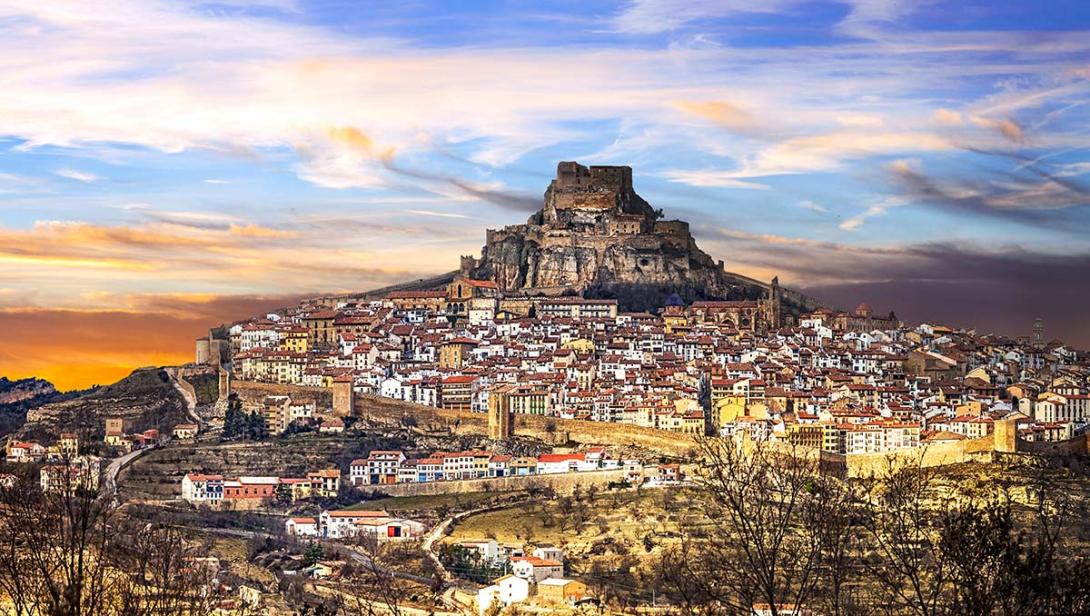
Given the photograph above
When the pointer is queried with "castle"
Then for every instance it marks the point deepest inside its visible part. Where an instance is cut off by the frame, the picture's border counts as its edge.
(595, 236)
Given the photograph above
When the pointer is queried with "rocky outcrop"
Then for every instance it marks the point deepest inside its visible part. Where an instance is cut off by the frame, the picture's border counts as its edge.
(595, 236)
(12, 392)
(17, 397)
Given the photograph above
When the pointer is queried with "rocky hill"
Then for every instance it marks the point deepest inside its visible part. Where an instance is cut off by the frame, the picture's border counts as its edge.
(18, 396)
(595, 236)
(146, 397)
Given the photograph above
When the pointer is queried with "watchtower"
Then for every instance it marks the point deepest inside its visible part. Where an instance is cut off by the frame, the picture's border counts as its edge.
(501, 425)
(344, 397)
(1005, 433)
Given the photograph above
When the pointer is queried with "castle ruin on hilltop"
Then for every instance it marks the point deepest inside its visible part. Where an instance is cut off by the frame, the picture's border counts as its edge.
(594, 236)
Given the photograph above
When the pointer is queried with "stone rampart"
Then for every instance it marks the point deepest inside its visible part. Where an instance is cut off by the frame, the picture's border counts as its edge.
(547, 428)
(939, 454)
(1071, 447)
(984, 449)
(253, 392)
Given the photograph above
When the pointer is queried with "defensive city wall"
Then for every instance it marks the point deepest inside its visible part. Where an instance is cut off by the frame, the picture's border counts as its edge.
(551, 429)
(253, 393)
(1004, 441)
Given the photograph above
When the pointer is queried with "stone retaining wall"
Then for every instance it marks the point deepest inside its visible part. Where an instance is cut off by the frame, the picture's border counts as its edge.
(562, 483)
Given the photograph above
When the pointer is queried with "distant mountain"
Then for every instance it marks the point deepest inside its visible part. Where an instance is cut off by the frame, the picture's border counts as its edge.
(19, 396)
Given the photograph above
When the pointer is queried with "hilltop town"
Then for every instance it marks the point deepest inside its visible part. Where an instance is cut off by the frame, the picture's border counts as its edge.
(526, 340)
(500, 436)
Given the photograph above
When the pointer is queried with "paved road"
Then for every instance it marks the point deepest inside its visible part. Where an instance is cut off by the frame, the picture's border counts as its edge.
(109, 482)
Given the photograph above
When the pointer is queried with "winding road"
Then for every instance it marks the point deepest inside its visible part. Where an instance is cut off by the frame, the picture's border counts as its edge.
(187, 395)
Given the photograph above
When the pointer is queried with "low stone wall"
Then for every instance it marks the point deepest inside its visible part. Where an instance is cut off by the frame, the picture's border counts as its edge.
(562, 483)
(982, 449)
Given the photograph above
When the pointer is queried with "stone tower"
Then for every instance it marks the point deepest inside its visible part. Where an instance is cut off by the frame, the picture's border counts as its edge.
(1005, 435)
(776, 298)
(344, 397)
(204, 352)
(501, 424)
(1038, 332)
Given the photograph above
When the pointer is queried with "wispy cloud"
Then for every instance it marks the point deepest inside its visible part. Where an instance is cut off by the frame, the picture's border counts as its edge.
(654, 16)
(437, 214)
(79, 176)
(877, 209)
(813, 207)
(709, 178)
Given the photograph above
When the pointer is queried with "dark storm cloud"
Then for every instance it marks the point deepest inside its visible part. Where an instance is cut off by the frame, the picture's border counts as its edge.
(1001, 289)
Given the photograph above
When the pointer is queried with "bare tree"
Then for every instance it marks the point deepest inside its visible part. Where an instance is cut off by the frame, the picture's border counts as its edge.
(375, 589)
(68, 551)
(52, 542)
(769, 513)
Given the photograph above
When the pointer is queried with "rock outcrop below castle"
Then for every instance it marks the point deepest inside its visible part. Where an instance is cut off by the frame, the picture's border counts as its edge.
(596, 237)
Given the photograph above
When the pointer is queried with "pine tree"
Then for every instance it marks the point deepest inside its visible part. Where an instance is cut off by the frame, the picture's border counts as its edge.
(256, 429)
(234, 421)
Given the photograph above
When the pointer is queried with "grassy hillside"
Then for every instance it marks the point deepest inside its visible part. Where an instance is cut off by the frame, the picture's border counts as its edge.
(146, 397)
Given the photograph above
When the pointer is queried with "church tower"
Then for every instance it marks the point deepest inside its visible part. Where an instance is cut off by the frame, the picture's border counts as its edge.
(1038, 332)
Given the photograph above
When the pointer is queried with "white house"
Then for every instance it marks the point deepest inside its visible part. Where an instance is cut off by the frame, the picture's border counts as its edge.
(390, 529)
(301, 527)
(549, 552)
(487, 549)
(507, 590)
(536, 569)
(343, 523)
(197, 488)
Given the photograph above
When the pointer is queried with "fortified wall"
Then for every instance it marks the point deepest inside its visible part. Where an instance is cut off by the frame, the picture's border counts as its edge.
(558, 431)
(253, 393)
(1004, 441)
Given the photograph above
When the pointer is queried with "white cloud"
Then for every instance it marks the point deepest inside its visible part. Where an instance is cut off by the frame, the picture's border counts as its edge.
(710, 178)
(654, 16)
(814, 207)
(436, 214)
(1073, 169)
(80, 176)
(877, 209)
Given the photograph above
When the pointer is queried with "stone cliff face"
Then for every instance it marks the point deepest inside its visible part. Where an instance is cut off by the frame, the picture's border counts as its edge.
(594, 235)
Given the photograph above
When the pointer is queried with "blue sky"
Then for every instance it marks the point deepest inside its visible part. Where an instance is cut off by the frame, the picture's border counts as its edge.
(157, 149)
